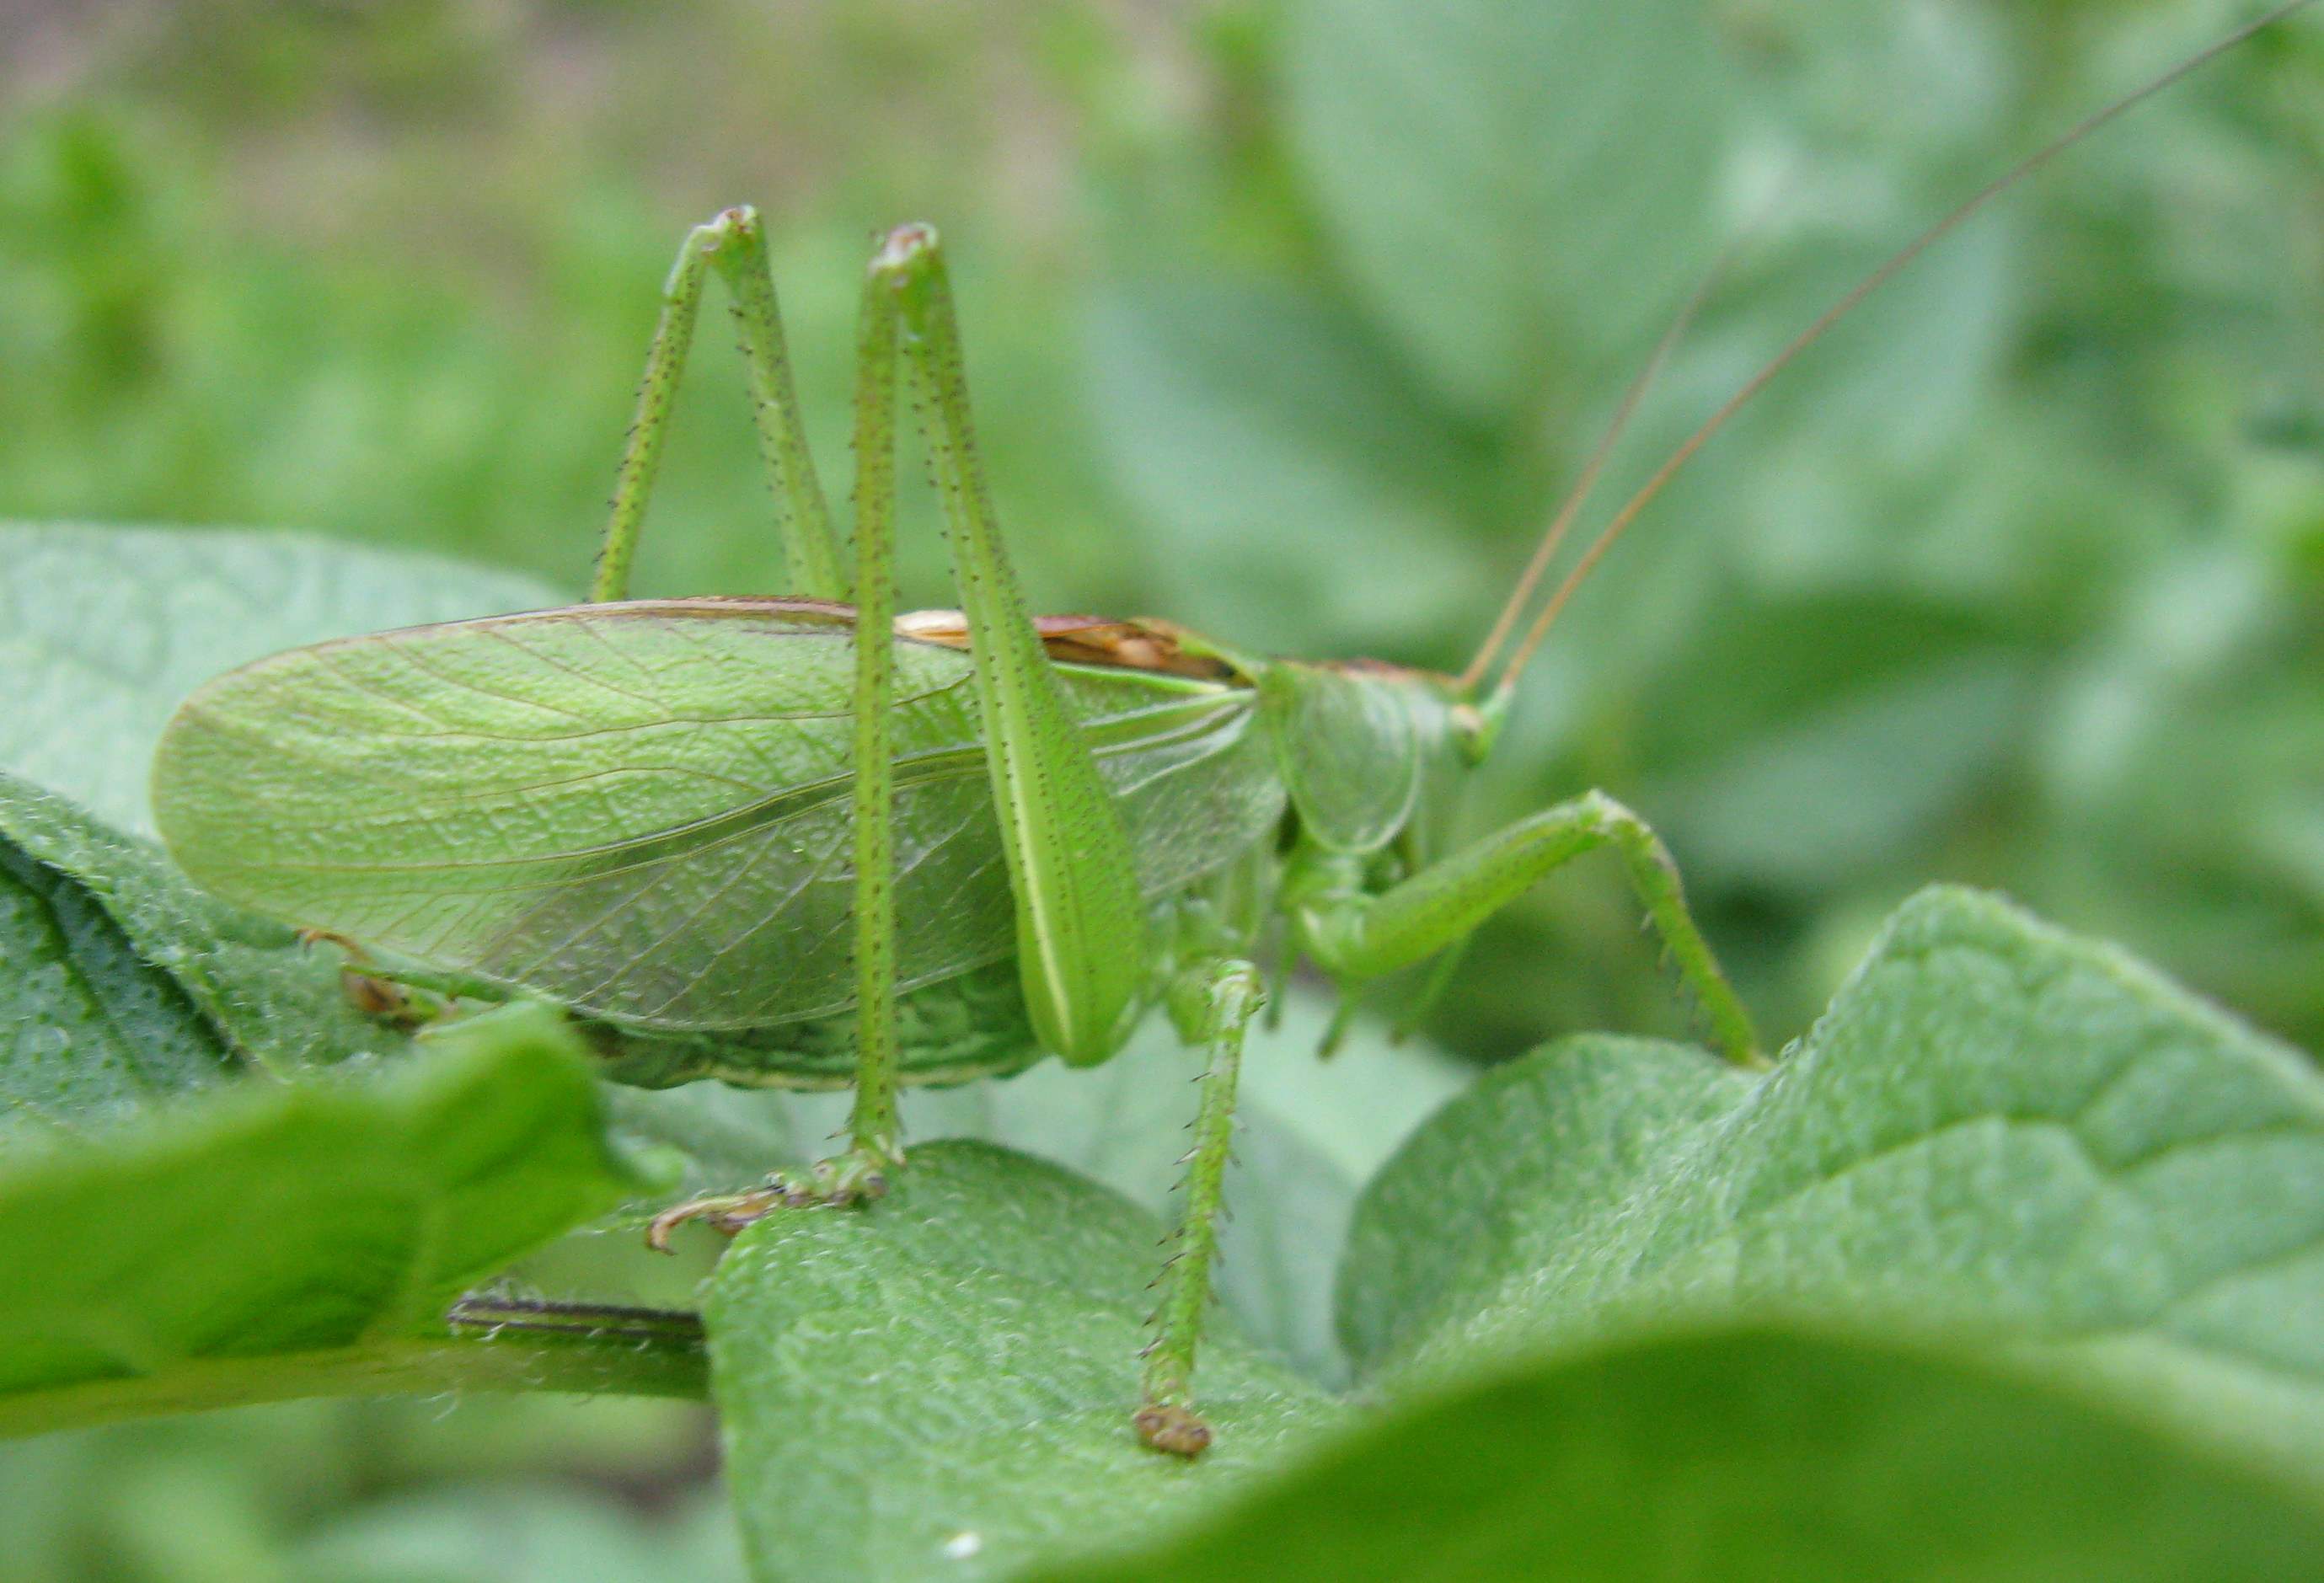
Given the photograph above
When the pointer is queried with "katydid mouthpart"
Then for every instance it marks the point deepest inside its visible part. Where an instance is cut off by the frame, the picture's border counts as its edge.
(734, 841)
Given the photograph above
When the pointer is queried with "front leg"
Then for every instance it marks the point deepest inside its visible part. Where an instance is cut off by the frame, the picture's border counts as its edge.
(1213, 1006)
(1354, 934)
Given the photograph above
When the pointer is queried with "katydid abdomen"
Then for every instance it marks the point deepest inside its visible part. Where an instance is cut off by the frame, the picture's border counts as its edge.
(641, 812)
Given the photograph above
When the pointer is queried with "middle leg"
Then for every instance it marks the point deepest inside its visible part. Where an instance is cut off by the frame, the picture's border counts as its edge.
(875, 1144)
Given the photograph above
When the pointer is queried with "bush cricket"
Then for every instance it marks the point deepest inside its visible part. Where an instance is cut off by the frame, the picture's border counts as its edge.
(737, 842)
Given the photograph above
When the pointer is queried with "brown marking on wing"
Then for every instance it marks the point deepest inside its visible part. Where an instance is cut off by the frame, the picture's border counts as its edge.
(1144, 644)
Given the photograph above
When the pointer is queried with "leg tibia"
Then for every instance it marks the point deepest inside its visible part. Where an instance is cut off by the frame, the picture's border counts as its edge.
(874, 1125)
(803, 520)
(1221, 999)
(1355, 936)
(681, 305)
(735, 245)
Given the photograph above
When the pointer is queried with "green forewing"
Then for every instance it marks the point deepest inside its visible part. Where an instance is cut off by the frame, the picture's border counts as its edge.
(642, 810)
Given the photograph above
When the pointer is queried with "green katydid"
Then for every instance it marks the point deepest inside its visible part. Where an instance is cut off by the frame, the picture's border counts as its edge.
(739, 843)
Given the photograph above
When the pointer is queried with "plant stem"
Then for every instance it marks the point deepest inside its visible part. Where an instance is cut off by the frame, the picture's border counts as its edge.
(515, 1355)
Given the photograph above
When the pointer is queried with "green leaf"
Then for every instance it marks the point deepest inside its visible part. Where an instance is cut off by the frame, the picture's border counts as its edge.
(1753, 1453)
(1310, 498)
(1309, 1134)
(1997, 1130)
(304, 1240)
(2185, 757)
(144, 983)
(103, 630)
(1800, 742)
(87, 1030)
(1508, 182)
(943, 1380)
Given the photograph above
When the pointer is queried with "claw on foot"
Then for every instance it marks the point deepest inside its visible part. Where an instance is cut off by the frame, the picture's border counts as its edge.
(380, 997)
(726, 1212)
(850, 1179)
(1172, 1429)
(368, 993)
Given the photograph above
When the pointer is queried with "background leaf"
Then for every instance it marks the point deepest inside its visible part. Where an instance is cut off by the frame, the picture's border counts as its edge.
(103, 630)
(1847, 730)
(515, 1534)
(2208, 663)
(1311, 499)
(1509, 183)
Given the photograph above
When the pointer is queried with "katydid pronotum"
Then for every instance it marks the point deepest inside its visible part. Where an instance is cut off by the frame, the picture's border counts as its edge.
(736, 841)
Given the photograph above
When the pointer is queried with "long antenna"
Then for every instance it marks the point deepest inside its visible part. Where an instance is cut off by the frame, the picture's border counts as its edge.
(1579, 494)
(1846, 304)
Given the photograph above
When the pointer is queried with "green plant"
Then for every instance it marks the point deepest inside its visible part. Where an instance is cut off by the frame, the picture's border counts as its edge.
(2017, 1210)
(2020, 1229)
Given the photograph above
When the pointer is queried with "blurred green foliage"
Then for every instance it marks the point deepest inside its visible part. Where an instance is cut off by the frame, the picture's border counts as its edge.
(1288, 320)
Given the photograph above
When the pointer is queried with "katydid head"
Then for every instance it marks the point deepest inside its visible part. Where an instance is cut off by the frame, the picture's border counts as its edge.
(1489, 693)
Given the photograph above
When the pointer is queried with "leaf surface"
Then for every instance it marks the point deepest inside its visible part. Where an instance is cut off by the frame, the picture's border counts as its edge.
(299, 1239)
(943, 1381)
(137, 979)
(89, 1030)
(1752, 1453)
(1510, 182)
(1997, 1131)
